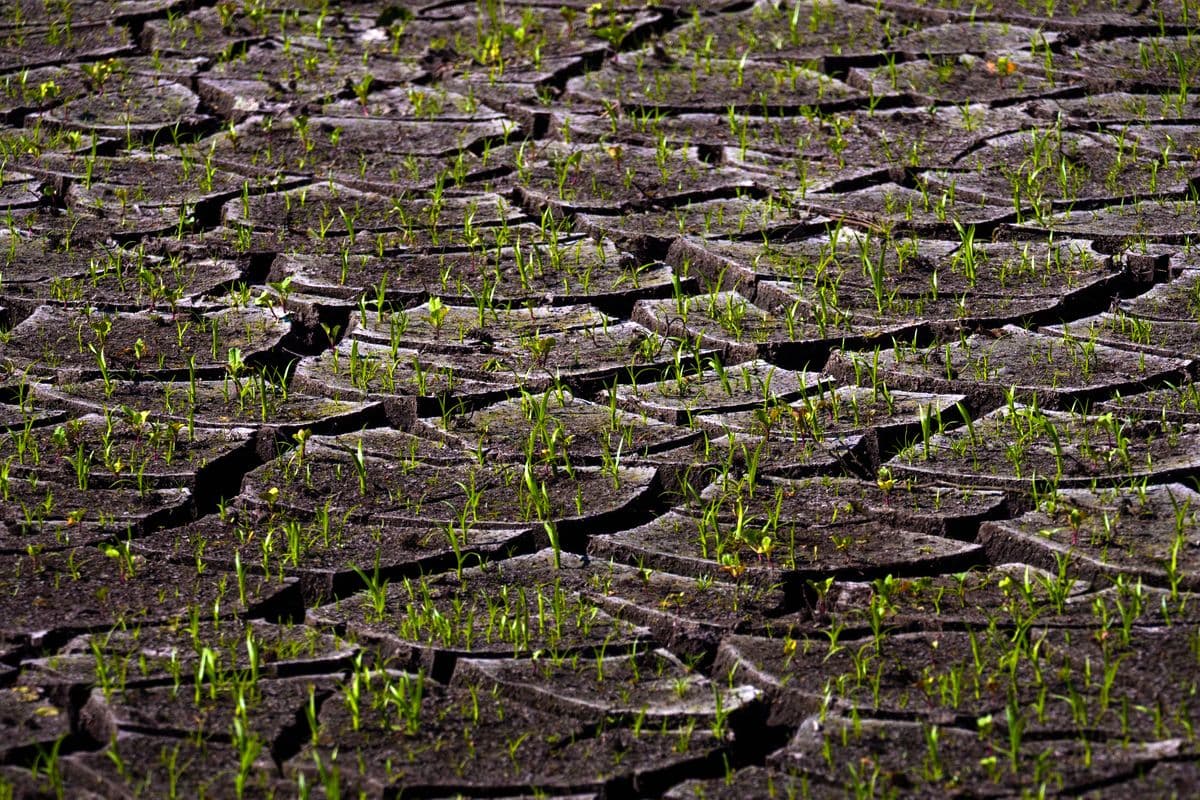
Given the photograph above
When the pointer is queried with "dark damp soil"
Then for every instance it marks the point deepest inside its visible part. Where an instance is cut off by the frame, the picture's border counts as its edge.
(530, 399)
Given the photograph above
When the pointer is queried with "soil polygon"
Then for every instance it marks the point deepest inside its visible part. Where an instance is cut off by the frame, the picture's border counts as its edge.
(1059, 371)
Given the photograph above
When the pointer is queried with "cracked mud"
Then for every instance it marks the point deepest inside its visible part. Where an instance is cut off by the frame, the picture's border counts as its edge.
(569, 399)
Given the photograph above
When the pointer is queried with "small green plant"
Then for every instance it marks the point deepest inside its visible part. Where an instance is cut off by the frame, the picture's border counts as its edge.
(359, 459)
(437, 312)
(376, 591)
(362, 88)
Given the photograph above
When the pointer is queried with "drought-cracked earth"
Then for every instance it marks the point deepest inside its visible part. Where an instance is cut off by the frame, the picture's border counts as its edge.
(569, 399)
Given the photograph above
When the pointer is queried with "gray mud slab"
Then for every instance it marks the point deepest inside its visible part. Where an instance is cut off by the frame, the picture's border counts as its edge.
(1178, 404)
(728, 322)
(320, 211)
(934, 137)
(207, 766)
(680, 398)
(156, 655)
(924, 211)
(931, 271)
(1086, 17)
(655, 230)
(534, 347)
(566, 271)
(85, 344)
(506, 610)
(44, 45)
(440, 327)
(675, 692)
(742, 84)
(1123, 61)
(138, 107)
(1144, 537)
(569, 180)
(1163, 778)
(964, 600)
(382, 150)
(1135, 108)
(265, 716)
(328, 555)
(788, 551)
(1176, 339)
(957, 79)
(569, 431)
(1177, 300)
(926, 507)
(879, 421)
(132, 280)
(94, 451)
(1039, 175)
(406, 487)
(1022, 449)
(33, 718)
(689, 615)
(272, 411)
(550, 751)
(807, 32)
(896, 751)
(73, 517)
(90, 589)
(408, 382)
(1165, 220)
(797, 175)
(1058, 370)
(38, 263)
(899, 681)
(24, 191)
(957, 38)
(777, 135)
(141, 178)
(756, 782)
(562, 35)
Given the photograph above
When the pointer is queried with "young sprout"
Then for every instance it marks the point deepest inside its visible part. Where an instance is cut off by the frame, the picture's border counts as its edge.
(361, 89)
(437, 312)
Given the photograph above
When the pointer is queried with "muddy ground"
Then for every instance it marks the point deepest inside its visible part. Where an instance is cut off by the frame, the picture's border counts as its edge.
(558, 399)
